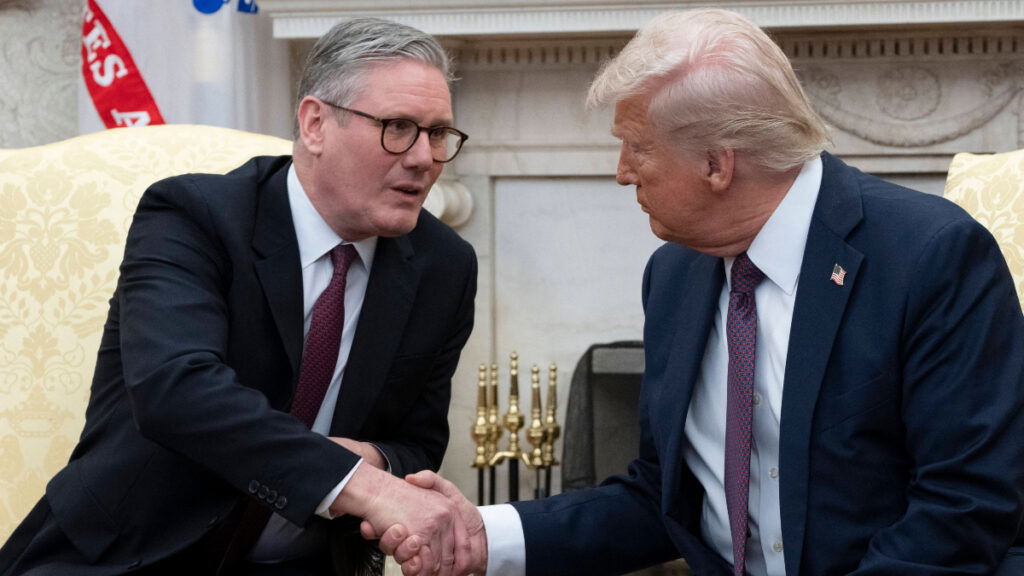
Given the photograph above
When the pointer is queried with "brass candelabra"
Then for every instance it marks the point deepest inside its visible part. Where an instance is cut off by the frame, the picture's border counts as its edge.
(487, 431)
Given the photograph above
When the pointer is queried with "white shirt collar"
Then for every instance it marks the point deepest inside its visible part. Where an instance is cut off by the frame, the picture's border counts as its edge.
(778, 248)
(314, 235)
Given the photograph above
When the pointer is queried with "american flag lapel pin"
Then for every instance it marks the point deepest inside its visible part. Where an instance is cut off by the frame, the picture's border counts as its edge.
(838, 275)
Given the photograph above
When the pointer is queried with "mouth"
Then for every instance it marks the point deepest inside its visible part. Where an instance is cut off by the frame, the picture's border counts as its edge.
(408, 189)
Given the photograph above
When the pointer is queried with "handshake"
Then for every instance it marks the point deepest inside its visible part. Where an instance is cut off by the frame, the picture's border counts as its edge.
(423, 521)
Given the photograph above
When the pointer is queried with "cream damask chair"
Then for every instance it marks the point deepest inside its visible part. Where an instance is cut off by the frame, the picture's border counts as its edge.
(991, 188)
(64, 215)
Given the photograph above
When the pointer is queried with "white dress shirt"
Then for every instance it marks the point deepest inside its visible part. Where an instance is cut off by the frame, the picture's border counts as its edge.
(282, 540)
(778, 251)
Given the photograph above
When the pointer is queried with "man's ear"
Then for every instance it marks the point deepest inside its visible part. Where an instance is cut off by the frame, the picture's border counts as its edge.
(312, 115)
(720, 168)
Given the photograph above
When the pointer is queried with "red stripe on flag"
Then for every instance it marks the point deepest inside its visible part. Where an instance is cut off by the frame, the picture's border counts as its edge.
(115, 84)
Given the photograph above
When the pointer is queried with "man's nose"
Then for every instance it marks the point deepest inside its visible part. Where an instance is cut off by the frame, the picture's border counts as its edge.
(421, 155)
(624, 173)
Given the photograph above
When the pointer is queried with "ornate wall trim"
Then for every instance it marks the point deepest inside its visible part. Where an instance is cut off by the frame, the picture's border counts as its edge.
(802, 49)
(536, 55)
(902, 44)
(311, 18)
(903, 112)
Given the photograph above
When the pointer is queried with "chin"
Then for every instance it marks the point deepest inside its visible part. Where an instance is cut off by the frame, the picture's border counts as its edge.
(398, 226)
(658, 230)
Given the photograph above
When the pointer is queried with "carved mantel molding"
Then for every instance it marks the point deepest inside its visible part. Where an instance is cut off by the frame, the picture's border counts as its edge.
(902, 100)
(905, 84)
(311, 18)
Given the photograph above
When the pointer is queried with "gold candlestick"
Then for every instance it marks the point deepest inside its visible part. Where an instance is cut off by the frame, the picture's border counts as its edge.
(480, 430)
(513, 419)
(536, 433)
(551, 428)
(493, 426)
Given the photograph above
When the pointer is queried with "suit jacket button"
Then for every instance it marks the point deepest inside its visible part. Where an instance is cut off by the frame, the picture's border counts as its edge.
(272, 497)
(263, 492)
(212, 522)
(135, 564)
(281, 503)
(253, 487)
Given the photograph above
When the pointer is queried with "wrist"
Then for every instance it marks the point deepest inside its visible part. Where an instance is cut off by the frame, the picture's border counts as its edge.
(361, 492)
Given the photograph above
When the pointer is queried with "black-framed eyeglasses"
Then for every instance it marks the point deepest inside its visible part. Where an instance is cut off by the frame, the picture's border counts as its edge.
(397, 135)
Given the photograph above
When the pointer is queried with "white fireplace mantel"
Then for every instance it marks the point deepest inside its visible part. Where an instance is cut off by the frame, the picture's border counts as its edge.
(456, 18)
(904, 84)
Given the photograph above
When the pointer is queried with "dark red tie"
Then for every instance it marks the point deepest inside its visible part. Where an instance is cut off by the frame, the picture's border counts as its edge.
(741, 330)
(319, 357)
(320, 354)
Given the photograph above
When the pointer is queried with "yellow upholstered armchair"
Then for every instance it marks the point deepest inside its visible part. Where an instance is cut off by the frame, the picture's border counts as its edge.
(64, 215)
(991, 188)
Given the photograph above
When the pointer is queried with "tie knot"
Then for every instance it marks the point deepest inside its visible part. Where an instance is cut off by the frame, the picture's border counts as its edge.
(745, 275)
(342, 256)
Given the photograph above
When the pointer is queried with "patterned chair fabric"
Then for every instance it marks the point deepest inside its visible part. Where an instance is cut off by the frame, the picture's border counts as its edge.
(65, 209)
(991, 188)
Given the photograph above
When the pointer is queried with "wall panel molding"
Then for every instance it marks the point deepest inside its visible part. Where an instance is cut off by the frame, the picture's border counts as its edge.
(311, 18)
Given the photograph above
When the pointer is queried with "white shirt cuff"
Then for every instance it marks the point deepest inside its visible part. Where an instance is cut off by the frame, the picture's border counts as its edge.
(506, 544)
(324, 509)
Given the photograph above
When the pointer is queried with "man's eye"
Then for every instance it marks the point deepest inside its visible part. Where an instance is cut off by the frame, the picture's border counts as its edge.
(401, 127)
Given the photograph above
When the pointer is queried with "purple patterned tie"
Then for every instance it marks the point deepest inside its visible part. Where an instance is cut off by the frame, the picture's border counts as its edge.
(320, 354)
(742, 334)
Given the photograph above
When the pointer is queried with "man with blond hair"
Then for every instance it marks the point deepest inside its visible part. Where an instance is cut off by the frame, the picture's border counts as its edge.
(834, 364)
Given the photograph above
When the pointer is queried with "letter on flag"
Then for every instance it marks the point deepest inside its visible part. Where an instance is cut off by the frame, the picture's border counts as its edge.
(210, 62)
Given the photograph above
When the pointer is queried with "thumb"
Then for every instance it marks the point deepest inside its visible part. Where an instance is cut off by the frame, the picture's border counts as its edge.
(424, 479)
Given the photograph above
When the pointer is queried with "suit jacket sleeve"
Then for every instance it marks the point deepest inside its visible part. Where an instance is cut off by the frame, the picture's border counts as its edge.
(173, 297)
(420, 440)
(614, 528)
(963, 410)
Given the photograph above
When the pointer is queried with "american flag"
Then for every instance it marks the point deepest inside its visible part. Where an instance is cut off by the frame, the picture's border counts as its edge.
(838, 274)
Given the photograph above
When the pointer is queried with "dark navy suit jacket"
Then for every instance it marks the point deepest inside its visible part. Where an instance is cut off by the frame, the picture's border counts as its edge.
(902, 429)
(198, 365)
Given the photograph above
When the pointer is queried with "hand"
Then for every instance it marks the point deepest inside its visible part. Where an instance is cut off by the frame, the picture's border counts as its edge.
(406, 548)
(428, 516)
(368, 452)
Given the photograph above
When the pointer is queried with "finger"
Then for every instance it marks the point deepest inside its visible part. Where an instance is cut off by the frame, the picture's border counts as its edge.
(412, 567)
(407, 549)
(449, 540)
(367, 531)
(392, 538)
(429, 563)
(462, 547)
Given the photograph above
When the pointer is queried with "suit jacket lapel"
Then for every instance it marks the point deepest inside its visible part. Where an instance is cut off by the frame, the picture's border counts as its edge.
(389, 299)
(698, 303)
(277, 261)
(818, 311)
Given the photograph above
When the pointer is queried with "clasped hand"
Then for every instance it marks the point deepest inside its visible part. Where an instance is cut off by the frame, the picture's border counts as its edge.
(444, 536)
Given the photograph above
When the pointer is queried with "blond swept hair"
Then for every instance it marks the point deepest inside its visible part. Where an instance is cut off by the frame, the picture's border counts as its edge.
(716, 81)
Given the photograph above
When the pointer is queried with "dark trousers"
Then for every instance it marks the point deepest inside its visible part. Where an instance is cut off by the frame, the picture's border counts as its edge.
(38, 547)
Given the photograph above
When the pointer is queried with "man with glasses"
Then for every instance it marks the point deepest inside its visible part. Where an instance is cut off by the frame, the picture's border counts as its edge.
(280, 346)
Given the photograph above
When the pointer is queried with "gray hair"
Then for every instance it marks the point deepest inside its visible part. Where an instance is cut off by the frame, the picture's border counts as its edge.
(716, 81)
(338, 62)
